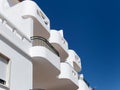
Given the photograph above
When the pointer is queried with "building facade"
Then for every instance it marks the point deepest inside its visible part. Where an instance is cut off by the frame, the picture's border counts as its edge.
(32, 55)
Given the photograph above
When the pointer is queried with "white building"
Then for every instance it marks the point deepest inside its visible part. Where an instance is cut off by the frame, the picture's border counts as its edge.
(32, 56)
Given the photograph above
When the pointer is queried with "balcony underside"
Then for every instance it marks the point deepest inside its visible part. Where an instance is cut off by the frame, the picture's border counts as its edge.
(46, 66)
(43, 74)
(40, 30)
(63, 84)
(67, 80)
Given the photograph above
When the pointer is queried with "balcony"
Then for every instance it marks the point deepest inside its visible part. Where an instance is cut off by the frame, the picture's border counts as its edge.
(83, 84)
(59, 43)
(68, 74)
(41, 22)
(46, 62)
(74, 60)
(67, 80)
(27, 18)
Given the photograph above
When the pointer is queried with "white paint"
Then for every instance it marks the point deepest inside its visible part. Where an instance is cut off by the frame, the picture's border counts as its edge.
(83, 85)
(74, 60)
(42, 52)
(24, 18)
(21, 68)
(69, 73)
(58, 41)
(35, 66)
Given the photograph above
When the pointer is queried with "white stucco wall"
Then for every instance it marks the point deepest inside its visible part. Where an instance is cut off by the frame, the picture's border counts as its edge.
(83, 85)
(21, 69)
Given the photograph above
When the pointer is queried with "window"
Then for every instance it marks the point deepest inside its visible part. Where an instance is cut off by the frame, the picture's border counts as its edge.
(4, 70)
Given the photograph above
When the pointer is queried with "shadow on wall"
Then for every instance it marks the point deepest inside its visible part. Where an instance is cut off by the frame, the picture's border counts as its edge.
(20, 0)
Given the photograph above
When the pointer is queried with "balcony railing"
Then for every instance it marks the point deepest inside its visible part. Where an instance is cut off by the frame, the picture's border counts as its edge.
(40, 41)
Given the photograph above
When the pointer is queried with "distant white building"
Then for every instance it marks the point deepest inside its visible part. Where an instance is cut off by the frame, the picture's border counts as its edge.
(32, 56)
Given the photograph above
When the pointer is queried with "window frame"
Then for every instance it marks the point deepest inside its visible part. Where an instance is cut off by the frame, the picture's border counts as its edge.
(7, 76)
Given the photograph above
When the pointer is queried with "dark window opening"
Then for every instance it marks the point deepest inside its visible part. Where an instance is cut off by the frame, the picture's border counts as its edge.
(20, 0)
(2, 81)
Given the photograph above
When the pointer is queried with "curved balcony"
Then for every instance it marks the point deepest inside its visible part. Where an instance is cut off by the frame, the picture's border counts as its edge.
(46, 62)
(67, 80)
(41, 21)
(69, 74)
(74, 60)
(27, 18)
(59, 43)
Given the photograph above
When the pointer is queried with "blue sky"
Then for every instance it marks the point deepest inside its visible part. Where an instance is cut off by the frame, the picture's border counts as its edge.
(92, 29)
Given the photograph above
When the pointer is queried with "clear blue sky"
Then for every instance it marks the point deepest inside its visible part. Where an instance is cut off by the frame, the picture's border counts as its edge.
(92, 29)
